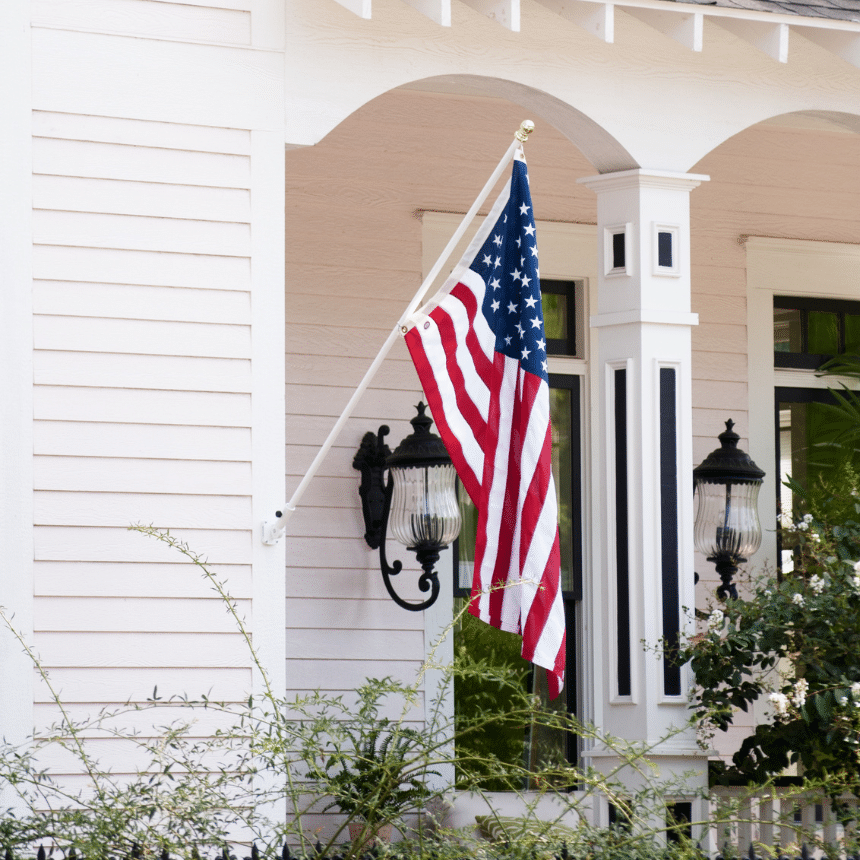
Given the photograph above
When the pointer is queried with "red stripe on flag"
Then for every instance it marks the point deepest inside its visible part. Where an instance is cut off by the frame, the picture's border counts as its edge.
(465, 404)
(538, 482)
(491, 444)
(437, 408)
(478, 351)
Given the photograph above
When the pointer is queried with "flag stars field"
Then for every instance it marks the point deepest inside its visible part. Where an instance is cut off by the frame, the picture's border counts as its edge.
(511, 244)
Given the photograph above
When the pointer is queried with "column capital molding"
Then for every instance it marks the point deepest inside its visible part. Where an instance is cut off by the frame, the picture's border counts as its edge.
(642, 178)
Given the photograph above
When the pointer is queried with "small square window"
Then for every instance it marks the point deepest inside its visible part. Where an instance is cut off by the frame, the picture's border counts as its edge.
(618, 250)
(665, 251)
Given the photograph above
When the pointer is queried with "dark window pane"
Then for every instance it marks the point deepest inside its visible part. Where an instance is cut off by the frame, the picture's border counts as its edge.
(809, 452)
(823, 333)
(544, 745)
(555, 315)
(852, 333)
(618, 251)
(787, 330)
(504, 739)
(664, 250)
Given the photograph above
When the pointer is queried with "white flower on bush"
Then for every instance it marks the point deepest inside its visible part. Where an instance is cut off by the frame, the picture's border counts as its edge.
(855, 690)
(856, 584)
(803, 525)
(857, 567)
(780, 703)
(843, 701)
(798, 599)
(801, 688)
(715, 619)
(815, 537)
(816, 583)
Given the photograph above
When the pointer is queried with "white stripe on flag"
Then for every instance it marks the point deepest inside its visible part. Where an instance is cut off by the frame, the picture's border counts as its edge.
(539, 552)
(437, 359)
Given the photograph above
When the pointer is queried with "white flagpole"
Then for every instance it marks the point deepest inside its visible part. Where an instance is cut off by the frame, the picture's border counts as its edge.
(274, 531)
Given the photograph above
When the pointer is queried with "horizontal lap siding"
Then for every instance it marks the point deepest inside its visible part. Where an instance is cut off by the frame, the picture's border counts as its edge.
(354, 259)
(142, 399)
(148, 18)
(770, 180)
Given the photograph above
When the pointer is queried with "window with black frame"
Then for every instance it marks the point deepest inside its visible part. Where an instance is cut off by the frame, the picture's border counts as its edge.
(532, 746)
(806, 334)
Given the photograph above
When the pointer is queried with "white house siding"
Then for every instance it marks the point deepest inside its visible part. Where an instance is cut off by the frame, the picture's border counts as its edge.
(157, 150)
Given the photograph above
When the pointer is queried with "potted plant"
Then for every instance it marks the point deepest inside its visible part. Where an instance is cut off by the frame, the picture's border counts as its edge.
(379, 777)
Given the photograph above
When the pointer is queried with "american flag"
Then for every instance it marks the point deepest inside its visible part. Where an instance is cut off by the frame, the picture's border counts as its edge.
(480, 350)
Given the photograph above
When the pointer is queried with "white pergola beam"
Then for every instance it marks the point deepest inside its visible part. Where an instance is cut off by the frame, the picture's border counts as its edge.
(504, 12)
(845, 45)
(438, 11)
(770, 38)
(357, 7)
(597, 18)
(684, 27)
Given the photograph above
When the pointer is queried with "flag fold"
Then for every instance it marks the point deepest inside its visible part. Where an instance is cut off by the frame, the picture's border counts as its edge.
(480, 351)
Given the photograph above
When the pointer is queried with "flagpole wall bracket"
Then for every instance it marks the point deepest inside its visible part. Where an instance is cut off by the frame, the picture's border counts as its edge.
(423, 451)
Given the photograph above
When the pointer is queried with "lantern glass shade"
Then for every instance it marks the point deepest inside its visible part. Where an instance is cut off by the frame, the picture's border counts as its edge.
(727, 523)
(424, 505)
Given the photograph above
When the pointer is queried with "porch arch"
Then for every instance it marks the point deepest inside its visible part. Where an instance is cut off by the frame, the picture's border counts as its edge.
(845, 120)
(598, 145)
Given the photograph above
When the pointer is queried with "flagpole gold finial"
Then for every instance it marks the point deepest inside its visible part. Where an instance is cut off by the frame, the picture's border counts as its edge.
(525, 129)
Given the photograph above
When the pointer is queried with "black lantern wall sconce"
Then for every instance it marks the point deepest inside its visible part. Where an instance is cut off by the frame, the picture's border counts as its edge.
(418, 501)
(727, 529)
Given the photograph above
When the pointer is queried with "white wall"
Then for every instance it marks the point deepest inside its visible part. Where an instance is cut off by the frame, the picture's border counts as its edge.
(157, 364)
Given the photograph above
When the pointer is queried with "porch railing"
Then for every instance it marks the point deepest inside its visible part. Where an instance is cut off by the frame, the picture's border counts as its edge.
(780, 822)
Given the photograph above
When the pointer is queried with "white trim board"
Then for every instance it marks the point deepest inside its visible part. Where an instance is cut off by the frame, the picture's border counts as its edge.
(16, 371)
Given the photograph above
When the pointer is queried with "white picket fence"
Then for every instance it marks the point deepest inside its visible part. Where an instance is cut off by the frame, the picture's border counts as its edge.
(780, 820)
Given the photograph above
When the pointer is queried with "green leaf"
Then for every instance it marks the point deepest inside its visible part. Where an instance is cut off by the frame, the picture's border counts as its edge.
(823, 706)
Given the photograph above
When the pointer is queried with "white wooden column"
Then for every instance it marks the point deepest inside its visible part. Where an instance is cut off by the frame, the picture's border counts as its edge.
(643, 571)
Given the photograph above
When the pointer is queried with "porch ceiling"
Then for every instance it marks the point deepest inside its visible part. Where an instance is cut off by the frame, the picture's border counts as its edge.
(831, 24)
